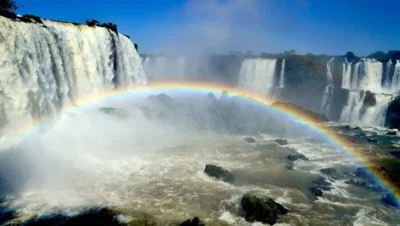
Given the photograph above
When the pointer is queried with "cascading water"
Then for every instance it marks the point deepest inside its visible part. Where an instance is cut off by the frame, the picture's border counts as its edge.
(161, 68)
(369, 75)
(44, 67)
(395, 85)
(328, 92)
(282, 75)
(346, 81)
(257, 75)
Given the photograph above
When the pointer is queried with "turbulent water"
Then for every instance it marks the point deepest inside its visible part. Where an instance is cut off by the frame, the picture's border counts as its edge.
(44, 67)
(155, 174)
(258, 76)
(369, 75)
(328, 92)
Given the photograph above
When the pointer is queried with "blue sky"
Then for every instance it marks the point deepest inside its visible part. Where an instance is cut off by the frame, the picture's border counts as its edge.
(316, 26)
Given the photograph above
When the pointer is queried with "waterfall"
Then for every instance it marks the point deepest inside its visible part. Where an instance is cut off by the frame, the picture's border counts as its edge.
(161, 68)
(395, 88)
(383, 80)
(282, 75)
(346, 81)
(44, 67)
(257, 75)
(328, 92)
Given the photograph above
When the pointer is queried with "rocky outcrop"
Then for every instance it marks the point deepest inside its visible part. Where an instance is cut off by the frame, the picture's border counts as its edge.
(317, 192)
(249, 140)
(262, 210)
(194, 222)
(219, 173)
(99, 217)
(332, 172)
(297, 157)
(281, 142)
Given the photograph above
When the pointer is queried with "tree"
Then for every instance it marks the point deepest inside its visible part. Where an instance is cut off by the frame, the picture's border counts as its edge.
(7, 6)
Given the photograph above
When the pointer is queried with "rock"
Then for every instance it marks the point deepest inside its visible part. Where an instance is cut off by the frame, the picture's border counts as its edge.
(6, 215)
(317, 192)
(194, 222)
(372, 140)
(395, 154)
(113, 112)
(30, 19)
(332, 172)
(357, 128)
(250, 140)
(369, 99)
(362, 172)
(392, 133)
(262, 210)
(219, 173)
(297, 157)
(391, 200)
(281, 142)
(357, 183)
(347, 127)
(322, 184)
(97, 217)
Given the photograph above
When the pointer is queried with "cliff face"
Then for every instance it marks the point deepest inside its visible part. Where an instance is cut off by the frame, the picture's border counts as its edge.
(337, 86)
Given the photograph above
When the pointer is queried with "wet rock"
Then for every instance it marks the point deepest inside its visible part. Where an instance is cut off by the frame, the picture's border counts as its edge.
(317, 192)
(395, 154)
(362, 172)
(98, 217)
(281, 142)
(28, 18)
(357, 183)
(392, 133)
(372, 140)
(219, 173)
(194, 222)
(250, 140)
(357, 128)
(262, 210)
(332, 172)
(6, 215)
(322, 184)
(347, 127)
(120, 113)
(369, 99)
(297, 157)
(391, 200)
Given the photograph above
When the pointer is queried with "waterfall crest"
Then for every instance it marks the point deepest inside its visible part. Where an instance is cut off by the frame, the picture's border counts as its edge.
(44, 67)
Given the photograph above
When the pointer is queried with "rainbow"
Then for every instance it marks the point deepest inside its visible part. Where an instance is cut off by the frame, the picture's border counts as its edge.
(342, 143)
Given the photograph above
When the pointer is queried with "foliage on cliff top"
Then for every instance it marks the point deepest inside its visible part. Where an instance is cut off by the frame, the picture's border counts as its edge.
(7, 6)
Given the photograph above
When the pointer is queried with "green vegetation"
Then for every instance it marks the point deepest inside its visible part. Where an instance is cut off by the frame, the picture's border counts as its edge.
(8, 6)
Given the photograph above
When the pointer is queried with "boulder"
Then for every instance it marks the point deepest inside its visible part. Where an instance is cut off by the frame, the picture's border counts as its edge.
(369, 99)
(219, 173)
(297, 157)
(317, 192)
(332, 172)
(322, 184)
(372, 140)
(281, 142)
(357, 183)
(392, 133)
(362, 172)
(98, 217)
(194, 222)
(262, 210)
(250, 140)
